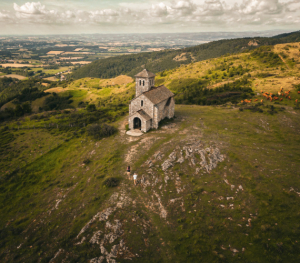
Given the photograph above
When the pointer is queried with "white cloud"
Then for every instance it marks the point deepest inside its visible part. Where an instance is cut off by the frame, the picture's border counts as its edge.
(30, 8)
(3, 16)
(262, 14)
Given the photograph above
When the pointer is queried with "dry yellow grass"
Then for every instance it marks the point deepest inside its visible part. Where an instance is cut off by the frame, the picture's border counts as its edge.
(35, 105)
(55, 52)
(180, 57)
(56, 90)
(51, 79)
(70, 58)
(17, 65)
(120, 80)
(8, 105)
(15, 76)
(86, 53)
(81, 62)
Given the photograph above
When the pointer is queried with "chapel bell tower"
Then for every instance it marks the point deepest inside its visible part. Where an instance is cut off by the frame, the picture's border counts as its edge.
(145, 80)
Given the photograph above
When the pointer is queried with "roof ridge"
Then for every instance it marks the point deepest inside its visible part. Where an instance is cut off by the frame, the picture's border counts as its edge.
(145, 73)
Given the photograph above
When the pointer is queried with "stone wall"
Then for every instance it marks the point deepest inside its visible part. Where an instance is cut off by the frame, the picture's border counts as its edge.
(135, 106)
(146, 125)
(162, 111)
(148, 83)
(171, 113)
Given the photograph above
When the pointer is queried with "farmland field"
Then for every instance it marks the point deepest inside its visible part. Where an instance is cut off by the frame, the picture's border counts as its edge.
(16, 65)
(14, 76)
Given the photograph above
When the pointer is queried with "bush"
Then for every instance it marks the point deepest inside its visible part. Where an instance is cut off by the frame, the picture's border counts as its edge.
(99, 131)
(111, 182)
(91, 107)
(86, 161)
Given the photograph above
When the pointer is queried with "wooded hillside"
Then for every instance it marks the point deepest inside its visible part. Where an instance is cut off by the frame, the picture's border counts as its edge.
(170, 59)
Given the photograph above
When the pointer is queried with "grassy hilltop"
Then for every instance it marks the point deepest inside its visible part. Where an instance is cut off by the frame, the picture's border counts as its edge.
(219, 183)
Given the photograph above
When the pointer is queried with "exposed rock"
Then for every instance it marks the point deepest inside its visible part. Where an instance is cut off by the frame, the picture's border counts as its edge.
(82, 240)
(172, 156)
(166, 179)
(226, 181)
(158, 156)
(166, 165)
(97, 260)
(181, 158)
(172, 201)
(103, 216)
(56, 255)
(96, 237)
(163, 212)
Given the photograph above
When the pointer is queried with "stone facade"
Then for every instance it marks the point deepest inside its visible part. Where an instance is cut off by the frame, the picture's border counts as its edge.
(151, 104)
(143, 85)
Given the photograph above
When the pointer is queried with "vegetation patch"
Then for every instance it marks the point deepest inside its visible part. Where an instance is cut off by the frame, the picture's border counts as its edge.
(111, 182)
(266, 56)
(199, 94)
(98, 131)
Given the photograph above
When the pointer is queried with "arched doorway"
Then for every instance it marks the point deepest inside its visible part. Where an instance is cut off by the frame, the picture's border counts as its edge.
(137, 124)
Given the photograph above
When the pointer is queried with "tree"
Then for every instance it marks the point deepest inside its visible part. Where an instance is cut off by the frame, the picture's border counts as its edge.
(91, 107)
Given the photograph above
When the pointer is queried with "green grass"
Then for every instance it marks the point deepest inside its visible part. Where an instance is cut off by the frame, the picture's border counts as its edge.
(263, 158)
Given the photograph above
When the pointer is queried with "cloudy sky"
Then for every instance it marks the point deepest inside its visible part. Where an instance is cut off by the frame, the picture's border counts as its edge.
(151, 16)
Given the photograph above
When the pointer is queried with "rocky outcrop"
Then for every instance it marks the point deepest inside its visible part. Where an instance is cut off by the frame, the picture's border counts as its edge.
(209, 157)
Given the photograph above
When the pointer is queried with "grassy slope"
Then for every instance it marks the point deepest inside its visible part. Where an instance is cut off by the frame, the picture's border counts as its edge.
(285, 75)
(262, 155)
(98, 91)
(54, 195)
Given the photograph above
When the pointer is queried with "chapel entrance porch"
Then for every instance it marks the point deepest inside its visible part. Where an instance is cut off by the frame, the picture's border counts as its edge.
(137, 123)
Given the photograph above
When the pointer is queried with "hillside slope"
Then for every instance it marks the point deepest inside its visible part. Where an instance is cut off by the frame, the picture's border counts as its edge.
(169, 59)
(216, 184)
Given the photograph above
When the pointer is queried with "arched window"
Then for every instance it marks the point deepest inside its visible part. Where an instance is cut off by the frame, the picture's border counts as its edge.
(143, 82)
(140, 82)
(142, 103)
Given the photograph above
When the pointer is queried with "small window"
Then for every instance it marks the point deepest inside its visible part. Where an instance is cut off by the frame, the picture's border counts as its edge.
(140, 82)
(142, 103)
(143, 82)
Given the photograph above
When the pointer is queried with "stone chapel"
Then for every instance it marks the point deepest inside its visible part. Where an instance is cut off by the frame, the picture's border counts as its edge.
(151, 104)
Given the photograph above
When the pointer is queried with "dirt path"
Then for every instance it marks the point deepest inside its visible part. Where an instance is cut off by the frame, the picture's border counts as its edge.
(283, 60)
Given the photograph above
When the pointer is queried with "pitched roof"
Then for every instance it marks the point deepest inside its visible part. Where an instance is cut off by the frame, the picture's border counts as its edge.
(145, 74)
(158, 94)
(144, 115)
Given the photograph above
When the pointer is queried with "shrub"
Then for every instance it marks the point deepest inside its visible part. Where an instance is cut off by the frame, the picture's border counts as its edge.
(86, 161)
(111, 182)
(99, 131)
(91, 107)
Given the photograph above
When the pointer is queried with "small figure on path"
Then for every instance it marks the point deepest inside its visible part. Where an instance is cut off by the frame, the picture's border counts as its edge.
(134, 178)
(128, 172)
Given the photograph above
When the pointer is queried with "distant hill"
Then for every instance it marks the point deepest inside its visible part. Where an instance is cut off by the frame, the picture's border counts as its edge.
(169, 59)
